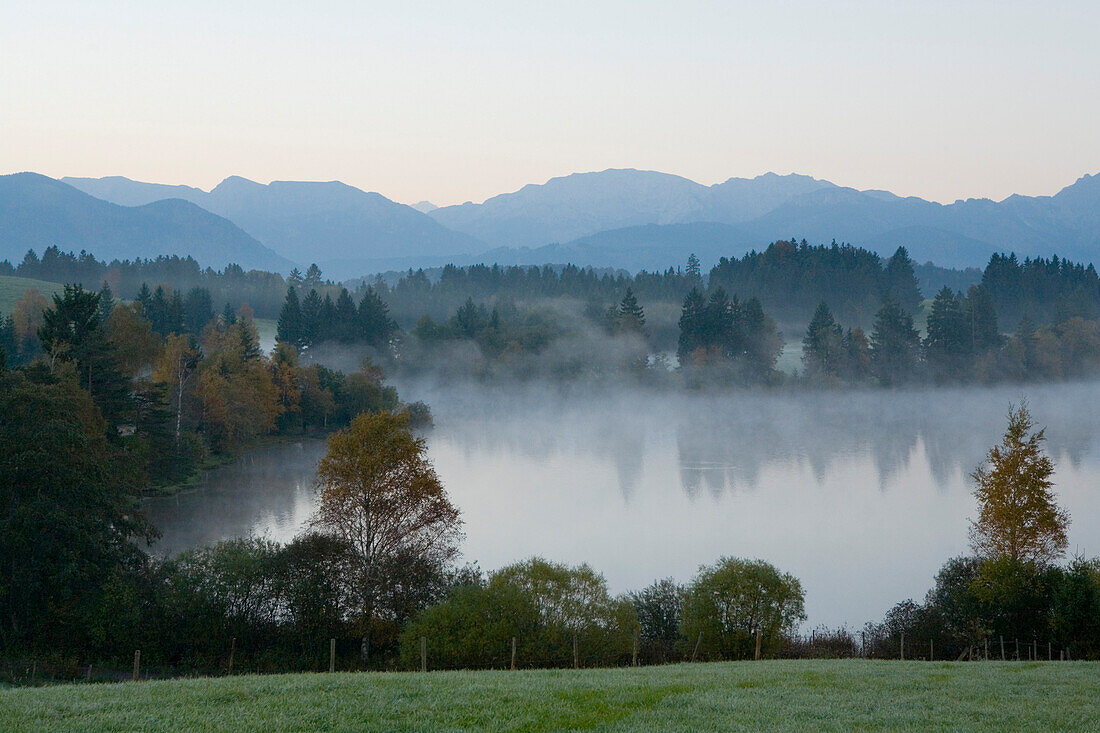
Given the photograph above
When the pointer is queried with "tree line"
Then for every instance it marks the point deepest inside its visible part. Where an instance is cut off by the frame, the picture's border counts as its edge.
(963, 343)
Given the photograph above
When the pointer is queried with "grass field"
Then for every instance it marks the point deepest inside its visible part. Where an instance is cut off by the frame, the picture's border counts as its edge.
(785, 695)
(12, 289)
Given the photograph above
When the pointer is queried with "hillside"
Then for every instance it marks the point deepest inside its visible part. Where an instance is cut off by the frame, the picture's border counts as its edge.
(37, 212)
(751, 696)
(343, 229)
(12, 289)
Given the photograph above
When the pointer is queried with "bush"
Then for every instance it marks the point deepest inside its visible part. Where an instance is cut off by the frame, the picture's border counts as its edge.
(729, 602)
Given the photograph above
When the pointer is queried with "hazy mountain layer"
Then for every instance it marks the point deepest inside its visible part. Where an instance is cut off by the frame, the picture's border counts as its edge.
(37, 212)
(345, 230)
(636, 218)
(631, 219)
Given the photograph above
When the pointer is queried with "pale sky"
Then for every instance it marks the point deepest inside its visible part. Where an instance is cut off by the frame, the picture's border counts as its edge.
(460, 101)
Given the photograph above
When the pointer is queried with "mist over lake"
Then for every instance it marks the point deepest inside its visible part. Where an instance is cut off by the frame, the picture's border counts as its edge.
(861, 495)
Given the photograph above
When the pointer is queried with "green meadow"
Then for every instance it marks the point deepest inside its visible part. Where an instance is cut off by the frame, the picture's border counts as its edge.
(839, 695)
(12, 289)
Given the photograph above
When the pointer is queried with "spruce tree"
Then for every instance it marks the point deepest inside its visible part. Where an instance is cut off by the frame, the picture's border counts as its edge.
(692, 324)
(375, 325)
(981, 320)
(312, 331)
(198, 310)
(822, 345)
(895, 344)
(289, 327)
(106, 302)
(346, 322)
(693, 271)
(947, 342)
(630, 316)
(901, 281)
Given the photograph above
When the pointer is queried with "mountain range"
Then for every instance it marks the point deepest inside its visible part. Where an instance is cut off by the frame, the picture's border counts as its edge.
(620, 218)
(345, 230)
(37, 212)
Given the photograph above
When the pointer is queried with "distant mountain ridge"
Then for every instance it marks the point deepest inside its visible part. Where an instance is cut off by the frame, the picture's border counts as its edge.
(345, 230)
(631, 219)
(613, 213)
(37, 212)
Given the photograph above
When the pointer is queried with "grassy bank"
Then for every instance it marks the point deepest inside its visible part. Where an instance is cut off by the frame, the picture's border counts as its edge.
(790, 695)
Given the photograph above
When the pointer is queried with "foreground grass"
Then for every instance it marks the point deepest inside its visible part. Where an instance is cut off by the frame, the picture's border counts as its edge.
(786, 695)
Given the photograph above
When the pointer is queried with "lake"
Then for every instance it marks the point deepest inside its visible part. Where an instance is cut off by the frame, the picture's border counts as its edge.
(861, 495)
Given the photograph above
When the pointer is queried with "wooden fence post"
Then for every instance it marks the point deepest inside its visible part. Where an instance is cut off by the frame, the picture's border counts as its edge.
(695, 651)
(1002, 648)
(423, 654)
(758, 645)
(1050, 652)
(901, 648)
(513, 653)
(986, 640)
(332, 655)
(137, 664)
(576, 657)
(634, 656)
(931, 650)
(232, 653)
(863, 644)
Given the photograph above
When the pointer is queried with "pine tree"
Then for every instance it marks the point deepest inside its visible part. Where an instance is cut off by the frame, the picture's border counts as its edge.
(1018, 517)
(981, 320)
(947, 342)
(375, 325)
(692, 324)
(312, 331)
(901, 281)
(327, 326)
(289, 328)
(822, 346)
(146, 299)
(857, 356)
(346, 324)
(895, 344)
(630, 317)
(693, 271)
(106, 302)
(719, 333)
(198, 310)
(761, 340)
(174, 313)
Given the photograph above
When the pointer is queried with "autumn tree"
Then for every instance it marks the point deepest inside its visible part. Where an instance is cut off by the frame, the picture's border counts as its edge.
(381, 496)
(1018, 517)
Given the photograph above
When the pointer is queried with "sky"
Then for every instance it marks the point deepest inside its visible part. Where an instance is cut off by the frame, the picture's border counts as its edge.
(454, 101)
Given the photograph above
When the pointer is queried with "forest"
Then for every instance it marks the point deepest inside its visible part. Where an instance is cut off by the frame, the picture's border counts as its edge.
(860, 319)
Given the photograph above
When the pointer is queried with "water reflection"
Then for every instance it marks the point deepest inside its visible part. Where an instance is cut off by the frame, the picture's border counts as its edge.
(267, 492)
(861, 494)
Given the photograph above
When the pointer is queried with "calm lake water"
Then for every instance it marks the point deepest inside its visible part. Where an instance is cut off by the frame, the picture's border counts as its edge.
(860, 495)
